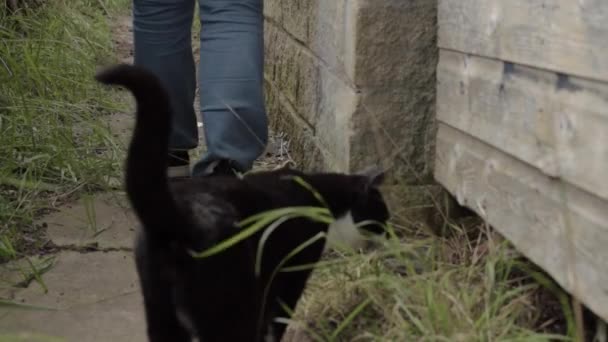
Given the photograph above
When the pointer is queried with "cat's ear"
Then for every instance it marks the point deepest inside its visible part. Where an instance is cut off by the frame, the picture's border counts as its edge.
(374, 176)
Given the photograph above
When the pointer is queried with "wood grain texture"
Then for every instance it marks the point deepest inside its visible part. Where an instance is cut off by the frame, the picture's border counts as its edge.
(556, 123)
(565, 36)
(560, 227)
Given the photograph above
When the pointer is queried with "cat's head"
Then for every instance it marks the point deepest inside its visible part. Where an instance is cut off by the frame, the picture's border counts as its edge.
(369, 209)
(365, 212)
(358, 194)
(355, 200)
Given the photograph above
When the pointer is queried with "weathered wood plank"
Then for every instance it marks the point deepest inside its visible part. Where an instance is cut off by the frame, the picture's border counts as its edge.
(560, 35)
(559, 227)
(557, 123)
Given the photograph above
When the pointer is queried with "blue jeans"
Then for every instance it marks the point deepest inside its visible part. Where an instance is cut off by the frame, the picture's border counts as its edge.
(230, 73)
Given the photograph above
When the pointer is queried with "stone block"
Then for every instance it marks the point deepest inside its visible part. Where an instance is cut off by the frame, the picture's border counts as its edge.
(396, 129)
(297, 18)
(361, 75)
(322, 27)
(396, 42)
(292, 70)
(318, 96)
(272, 10)
(304, 147)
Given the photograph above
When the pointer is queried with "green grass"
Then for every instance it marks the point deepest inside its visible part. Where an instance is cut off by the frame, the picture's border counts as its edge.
(54, 138)
(424, 289)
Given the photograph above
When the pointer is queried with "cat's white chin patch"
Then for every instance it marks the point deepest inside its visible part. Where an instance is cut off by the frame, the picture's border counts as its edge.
(343, 233)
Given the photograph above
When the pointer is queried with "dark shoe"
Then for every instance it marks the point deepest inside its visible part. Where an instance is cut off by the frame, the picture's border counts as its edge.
(179, 164)
(222, 167)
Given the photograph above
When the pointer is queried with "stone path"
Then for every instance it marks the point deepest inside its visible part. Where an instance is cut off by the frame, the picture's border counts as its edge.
(89, 284)
(92, 285)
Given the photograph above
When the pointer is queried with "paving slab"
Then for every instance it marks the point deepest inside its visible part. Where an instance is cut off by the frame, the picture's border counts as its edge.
(93, 296)
(115, 319)
(81, 278)
(19, 273)
(103, 220)
(121, 124)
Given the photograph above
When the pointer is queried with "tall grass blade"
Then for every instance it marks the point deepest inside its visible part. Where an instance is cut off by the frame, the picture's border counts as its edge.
(259, 222)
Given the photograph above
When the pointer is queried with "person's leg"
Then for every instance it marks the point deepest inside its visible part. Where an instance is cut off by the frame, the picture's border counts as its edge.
(231, 83)
(162, 43)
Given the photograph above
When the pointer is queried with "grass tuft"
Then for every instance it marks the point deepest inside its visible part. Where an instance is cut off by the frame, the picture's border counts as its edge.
(417, 289)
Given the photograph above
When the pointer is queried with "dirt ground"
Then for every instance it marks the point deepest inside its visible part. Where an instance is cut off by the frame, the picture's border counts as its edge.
(85, 287)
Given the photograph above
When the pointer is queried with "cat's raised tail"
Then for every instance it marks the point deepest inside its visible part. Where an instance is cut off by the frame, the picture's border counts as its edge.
(147, 184)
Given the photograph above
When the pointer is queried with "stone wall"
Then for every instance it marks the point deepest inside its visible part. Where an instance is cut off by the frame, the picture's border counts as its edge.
(352, 82)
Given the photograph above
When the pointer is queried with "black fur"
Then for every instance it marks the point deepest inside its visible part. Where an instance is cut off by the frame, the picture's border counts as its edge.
(220, 295)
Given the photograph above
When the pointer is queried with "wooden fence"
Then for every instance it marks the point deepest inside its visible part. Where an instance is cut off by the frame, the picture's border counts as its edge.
(522, 104)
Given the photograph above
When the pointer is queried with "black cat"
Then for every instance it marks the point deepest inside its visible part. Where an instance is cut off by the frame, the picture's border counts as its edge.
(221, 298)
